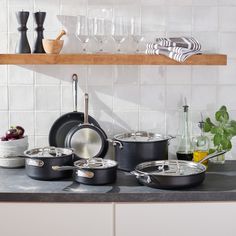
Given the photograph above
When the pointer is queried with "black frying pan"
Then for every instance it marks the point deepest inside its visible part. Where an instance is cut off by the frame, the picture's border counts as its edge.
(172, 174)
(63, 124)
(87, 140)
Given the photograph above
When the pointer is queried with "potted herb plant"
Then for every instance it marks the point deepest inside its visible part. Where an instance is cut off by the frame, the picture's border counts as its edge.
(222, 130)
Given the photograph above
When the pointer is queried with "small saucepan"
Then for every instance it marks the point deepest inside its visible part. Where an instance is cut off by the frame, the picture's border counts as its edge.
(39, 162)
(94, 171)
(172, 174)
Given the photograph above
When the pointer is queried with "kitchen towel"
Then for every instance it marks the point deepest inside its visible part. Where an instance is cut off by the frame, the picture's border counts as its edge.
(178, 49)
(183, 42)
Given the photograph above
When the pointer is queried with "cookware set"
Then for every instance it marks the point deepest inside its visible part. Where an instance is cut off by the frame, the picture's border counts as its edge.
(78, 145)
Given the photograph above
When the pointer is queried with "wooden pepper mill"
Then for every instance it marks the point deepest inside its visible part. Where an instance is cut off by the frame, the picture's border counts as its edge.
(23, 43)
(39, 18)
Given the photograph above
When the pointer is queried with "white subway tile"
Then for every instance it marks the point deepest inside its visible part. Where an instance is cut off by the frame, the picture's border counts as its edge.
(179, 18)
(126, 121)
(179, 2)
(126, 74)
(203, 97)
(227, 3)
(227, 18)
(175, 95)
(205, 74)
(172, 122)
(227, 74)
(4, 125)
(21, 98)
(152, 75)
(44, 121)
(152, 97)
(48, 98)
(153, 12)
(126, 97)
(73, 7)
(3, 74)
(205, 2)
(3, 42)
(226, 96)
(41, 141)
(20, 75)
(208, 40)
(226, 42)
(178, 75)
(152, 2)
(201, 15)
(52, 9)
(100, 98)
(24, 119)
(153, 121)
(127, 10)
(3, 16)
(100, 75)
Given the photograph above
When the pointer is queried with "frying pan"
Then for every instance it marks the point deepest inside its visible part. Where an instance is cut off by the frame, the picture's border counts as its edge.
(172, 174)
(87, 140)
(63, 124)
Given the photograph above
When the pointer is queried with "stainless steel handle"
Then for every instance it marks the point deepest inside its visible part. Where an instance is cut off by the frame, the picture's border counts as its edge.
(62, 168)
(114, 143)
(34, 162)
(215, 154)
(75, 90)
(86, 100)
(138, 175)
(85, 174)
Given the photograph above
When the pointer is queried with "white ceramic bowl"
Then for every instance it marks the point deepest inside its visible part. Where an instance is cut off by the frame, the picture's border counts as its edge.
(14, 143)
(12, 162)
(13, 148)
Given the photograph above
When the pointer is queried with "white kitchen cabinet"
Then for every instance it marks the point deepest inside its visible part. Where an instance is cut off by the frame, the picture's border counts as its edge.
(56, 219)
(176, 219)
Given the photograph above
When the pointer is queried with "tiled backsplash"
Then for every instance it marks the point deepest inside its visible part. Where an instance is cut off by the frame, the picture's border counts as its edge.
(121, 97)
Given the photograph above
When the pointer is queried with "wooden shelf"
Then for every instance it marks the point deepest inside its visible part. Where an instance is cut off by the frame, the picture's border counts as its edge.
(108, 59)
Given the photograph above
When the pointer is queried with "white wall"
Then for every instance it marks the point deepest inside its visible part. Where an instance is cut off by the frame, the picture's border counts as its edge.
(122, 97)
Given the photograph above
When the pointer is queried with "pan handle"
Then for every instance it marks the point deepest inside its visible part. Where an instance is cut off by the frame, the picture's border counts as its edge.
(62, 168)
(86, 100)
(138, 175)
(214, 154)
(75, 90)
(114, 143)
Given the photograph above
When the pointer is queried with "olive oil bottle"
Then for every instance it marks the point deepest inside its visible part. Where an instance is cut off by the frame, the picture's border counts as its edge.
(201, 145)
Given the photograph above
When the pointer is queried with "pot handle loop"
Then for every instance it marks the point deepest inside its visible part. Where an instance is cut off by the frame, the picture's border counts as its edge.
(138, 175)
(114, 143)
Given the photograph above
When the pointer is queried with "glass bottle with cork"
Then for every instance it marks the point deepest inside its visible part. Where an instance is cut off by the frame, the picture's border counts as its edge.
(185, 148)
(201, 145)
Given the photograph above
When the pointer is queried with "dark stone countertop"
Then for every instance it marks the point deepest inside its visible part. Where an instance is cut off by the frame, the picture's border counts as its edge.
(16, 186)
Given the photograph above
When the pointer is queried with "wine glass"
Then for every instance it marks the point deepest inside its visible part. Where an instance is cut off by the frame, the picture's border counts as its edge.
(119, 31)
(136, 32)
(82, 31)
(100, 31)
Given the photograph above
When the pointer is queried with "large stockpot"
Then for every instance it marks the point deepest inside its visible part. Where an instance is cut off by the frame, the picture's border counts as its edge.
(134, 148)
(94, 171)
(39, 162)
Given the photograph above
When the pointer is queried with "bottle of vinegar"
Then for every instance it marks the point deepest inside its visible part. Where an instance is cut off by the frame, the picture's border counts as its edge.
(185, 148)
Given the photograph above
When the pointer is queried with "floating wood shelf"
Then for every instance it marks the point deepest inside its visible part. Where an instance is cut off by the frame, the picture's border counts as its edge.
(108, 59)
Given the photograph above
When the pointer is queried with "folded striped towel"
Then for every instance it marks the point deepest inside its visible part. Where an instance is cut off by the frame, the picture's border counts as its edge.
(178, 49)
(180, 54)
(183, 42)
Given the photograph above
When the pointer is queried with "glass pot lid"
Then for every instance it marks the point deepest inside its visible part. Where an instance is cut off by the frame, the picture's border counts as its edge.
(170, 168)
(95, 163)
(48, 152)
(141, 136)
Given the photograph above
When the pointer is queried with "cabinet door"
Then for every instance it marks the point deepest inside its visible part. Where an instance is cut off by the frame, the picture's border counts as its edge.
(176, 219)
(38, 219)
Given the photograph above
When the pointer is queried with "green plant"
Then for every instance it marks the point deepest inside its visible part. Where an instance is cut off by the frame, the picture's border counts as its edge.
(223, 129)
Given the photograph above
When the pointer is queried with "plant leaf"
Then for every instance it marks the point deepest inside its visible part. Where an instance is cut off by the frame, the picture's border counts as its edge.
(217, 139)
(208, 125)
(226, 144)
(223, 108)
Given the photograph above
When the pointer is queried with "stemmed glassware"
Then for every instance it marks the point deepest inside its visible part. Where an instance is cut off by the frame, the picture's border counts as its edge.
(82, 31)
(101, 31)
(119, 31)
(136, 32)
